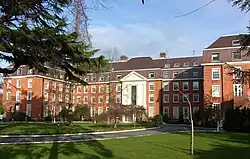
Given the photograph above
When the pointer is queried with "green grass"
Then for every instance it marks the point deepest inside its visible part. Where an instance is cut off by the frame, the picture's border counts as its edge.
(48, 128)
(167, 146)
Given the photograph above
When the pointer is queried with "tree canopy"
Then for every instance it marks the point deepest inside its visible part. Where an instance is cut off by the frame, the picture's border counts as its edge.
(34, 33)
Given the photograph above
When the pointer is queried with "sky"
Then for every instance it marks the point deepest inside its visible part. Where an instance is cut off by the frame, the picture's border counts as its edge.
(146, 30)
(134, 29)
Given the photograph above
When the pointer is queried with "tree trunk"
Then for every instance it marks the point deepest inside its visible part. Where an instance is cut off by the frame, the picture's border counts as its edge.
(192, 138)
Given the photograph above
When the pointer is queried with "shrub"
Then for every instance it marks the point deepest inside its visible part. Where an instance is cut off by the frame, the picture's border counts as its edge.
(20, 116)
(158, 120)
(165, 118)
(48, 118)
(1, 110)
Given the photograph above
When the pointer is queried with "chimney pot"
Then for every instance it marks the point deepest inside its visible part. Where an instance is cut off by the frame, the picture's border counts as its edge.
(123, 58)
(163, 55)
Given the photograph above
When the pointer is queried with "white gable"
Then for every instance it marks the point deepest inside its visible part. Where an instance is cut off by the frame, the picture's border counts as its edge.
(133, 76)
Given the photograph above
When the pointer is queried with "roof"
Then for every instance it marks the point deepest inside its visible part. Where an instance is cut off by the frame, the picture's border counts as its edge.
(225, 41)
(149, 63)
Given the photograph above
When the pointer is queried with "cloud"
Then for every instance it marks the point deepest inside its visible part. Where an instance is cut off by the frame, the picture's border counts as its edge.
(143, 39)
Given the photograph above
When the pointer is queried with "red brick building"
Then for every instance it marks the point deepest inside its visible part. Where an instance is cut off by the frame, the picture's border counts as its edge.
(221, 87)
(156, 84)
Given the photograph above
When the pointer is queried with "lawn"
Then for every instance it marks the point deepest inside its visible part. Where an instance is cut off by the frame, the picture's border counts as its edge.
(49, 128)
(167, 146)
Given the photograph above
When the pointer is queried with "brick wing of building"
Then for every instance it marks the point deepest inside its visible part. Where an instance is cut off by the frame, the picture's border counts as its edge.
(221, 60)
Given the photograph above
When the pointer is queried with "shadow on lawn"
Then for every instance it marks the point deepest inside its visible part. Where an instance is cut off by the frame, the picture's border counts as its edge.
(85, 150)
(224, 146)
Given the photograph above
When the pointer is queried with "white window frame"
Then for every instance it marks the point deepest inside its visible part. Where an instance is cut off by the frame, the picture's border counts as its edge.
(183, 84)
(213, 53)
(78, 89)
(196, 101)
(9, 84)
(118, 76)
(66, 98)
(93, 102)
(165, 96)
(29, 97)
(236, 44)
(196, 63)
(61, 87)
(60, 98)
(186, 64)
(85, 89)
(239, 91)
(78, 101)
(20, 71)
(18, 83)
(108, 89)
(92, 89)
(213, 89)
(53, 99)
(101, 78)
(54, 85)
(151, 111)
(235, 75)
(46, 96)
(107, 99)
(184, 116)
(176, 64)
(167, 66)
(101, 89)
(164, 74)
(178, 98)
(118, 97)
(166, 111)
(175, 74)
(151, 84)
(166, 84)
(195, 74)
(46, 84)
(150, 75)
(99, 99)
(149, 98)
(236, 53)
(93, 78)
(185, 97)
(8, 96)
(100, 110)
(29, 83)
(178, 86)
(198, 85)
(215, 70)
(28, 109)
(30, 71)
(176, 112)
(118, 86)
(85, 100)
(18, 94)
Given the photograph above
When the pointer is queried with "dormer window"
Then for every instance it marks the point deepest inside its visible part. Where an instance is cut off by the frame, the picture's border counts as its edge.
(196, 64)
(176, 65)
(186, 64)
(19, 71)
(101, 78)
(118, 76)
(151, 75)
(167, 66)
(86, 79)
(30, 71)
(236, 42)
(215, 56)
(93, 78)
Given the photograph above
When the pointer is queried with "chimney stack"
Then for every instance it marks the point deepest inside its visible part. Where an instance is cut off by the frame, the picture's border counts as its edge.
(123, 58)
(163, 55)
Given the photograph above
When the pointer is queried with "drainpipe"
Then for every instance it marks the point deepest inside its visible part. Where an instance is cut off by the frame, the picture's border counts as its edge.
(222, 92)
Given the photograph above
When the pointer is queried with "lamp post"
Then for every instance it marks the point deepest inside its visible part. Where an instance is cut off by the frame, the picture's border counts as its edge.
(192, 125)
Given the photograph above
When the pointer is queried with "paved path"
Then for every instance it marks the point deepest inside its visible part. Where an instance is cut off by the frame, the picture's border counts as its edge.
(88, 137)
